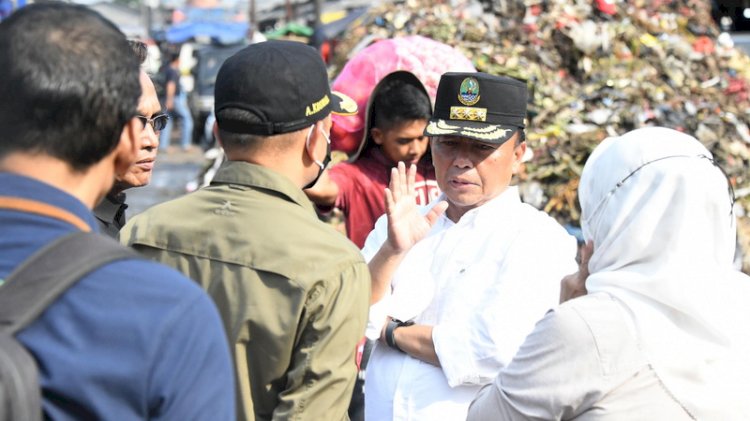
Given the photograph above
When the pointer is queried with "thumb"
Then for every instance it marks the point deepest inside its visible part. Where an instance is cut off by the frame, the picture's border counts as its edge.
(434, 214)
(586, 252)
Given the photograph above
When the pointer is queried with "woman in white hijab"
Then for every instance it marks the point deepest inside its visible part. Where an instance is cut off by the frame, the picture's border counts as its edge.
(663, 332)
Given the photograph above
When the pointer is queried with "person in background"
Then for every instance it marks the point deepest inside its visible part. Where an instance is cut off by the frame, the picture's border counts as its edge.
(110, 212)
(292, 291)
(132, 339)
(457, 285)
(175, 102)
(397, 113)
(654, 325)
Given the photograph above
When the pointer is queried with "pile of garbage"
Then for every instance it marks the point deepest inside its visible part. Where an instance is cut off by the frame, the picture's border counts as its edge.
(595, 69)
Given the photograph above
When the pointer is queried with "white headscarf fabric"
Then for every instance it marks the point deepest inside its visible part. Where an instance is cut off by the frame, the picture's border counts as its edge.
(659, 214)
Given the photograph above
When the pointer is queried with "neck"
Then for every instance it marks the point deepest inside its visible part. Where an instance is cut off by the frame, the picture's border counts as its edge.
(284, 164)
(454, 213)
(89, 186)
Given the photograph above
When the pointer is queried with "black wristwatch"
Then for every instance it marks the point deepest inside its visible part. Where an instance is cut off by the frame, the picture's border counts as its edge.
(390, 328)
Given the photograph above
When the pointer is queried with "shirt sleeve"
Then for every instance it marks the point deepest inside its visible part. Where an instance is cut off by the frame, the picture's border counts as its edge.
(376, 238)
(323, 369)
(378, 311)
(193, 376)
(555, 375)
(344, 179)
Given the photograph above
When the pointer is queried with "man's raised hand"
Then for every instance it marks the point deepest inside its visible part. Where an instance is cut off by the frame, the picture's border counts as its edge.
(406, 225)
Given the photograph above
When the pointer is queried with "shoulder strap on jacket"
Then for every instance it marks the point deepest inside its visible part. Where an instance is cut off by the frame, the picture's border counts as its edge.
(42, 278)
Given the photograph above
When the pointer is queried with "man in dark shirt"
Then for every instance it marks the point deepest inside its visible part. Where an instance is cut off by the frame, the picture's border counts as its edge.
(110, 212)
(131, 340)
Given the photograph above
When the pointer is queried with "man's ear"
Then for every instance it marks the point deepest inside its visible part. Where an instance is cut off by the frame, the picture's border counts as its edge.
(518, 153)
(127, 149)
(215, 131)
(377, 135)
(314, 138)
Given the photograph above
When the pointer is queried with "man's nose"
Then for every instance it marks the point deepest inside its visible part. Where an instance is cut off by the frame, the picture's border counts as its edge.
(150, 138)
(463, 158)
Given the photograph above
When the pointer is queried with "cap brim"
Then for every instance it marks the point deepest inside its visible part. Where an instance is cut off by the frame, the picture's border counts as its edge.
(490, 133)
(342, 104)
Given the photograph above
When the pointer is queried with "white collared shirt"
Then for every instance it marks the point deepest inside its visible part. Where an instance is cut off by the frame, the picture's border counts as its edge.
(482, 283)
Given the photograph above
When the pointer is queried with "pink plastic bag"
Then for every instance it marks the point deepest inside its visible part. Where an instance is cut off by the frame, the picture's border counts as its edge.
(427, 59)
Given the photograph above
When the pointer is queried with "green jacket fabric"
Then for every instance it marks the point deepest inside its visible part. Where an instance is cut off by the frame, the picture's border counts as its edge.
(293, 292)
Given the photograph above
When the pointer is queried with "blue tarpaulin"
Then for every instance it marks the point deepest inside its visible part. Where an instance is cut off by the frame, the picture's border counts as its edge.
(210, 23)
(224, 33)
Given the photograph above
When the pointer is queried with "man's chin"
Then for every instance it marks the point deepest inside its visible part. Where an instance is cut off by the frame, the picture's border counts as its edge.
(129, 183)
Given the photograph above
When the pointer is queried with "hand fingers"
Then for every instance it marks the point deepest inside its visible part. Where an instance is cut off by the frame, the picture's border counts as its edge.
(411, 180)
(572, 286)
(389, 201)
(434, 214)
(586, 251)
(394, 186)
(403, 181)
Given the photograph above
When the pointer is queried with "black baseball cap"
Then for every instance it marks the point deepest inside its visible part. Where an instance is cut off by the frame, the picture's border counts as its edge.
(283, 84)
(478, 106)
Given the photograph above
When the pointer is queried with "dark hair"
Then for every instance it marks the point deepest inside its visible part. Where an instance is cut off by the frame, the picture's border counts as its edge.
(68, 82)
(396, 102)
(250, 143)
(232, 140)
(139, 49)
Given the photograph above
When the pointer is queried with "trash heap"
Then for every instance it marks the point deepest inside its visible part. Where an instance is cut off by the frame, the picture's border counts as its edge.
(595, 69)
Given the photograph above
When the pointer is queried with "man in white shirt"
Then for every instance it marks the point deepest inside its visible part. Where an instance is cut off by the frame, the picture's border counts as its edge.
(458, 285)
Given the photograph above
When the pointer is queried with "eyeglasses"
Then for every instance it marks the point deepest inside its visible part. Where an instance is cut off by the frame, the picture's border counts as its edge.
(157, 122)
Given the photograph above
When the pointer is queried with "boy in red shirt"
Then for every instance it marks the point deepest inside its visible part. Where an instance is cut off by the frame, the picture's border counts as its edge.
(397, 113)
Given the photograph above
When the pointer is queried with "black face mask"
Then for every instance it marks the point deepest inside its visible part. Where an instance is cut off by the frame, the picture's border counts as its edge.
(323, 164)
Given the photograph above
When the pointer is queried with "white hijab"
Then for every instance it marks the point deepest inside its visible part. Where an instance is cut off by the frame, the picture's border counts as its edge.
(659, 214)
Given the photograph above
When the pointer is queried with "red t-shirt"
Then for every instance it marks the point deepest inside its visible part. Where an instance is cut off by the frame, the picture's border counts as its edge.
(361, 186)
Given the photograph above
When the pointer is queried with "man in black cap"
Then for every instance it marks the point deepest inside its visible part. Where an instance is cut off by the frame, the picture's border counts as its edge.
(457, 285)
(292, 291)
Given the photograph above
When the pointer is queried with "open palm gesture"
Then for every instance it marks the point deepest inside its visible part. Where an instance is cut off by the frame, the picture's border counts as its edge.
(406, 225)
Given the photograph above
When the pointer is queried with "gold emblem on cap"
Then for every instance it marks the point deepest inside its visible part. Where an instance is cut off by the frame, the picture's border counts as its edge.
(440, 127)
(468, 113)
(468, 93)
(495, 133)
(490, 132)
(348, 106)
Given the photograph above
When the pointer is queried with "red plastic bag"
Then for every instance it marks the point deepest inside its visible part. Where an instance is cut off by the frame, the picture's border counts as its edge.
(427, 59)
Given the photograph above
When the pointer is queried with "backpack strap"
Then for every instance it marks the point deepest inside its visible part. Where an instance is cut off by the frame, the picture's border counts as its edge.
(44, 209)
(41, 279)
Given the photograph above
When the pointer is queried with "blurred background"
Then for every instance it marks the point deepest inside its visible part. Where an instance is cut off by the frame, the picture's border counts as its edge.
(595, 68)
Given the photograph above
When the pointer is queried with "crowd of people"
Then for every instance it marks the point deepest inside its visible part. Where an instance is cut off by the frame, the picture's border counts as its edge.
(245, 305)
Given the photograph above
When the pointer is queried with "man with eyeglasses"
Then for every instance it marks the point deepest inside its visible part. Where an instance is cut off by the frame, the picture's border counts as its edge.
(292, 291)
(457, 285)
(110, 212)
(131, 339)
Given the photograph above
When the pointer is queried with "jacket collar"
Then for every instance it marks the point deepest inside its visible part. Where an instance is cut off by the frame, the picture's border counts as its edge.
(262, 178)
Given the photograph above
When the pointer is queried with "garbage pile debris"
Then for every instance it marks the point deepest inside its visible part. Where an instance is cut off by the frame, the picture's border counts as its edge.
(426, 58)
(595, 69)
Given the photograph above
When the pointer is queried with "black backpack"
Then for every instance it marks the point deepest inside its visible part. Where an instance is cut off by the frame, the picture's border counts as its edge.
(32, 287)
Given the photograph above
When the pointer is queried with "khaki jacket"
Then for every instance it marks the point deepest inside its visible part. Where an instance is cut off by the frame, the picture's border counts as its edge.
(293, 293)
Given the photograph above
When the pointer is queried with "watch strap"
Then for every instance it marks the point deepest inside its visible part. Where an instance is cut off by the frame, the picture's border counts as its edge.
(390, 329)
